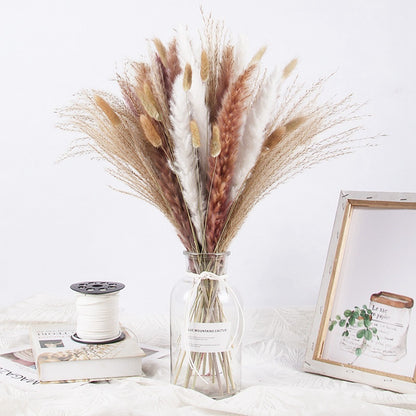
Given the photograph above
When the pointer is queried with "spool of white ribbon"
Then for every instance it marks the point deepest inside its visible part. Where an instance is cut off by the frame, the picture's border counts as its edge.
(236, 338)
(98, 317)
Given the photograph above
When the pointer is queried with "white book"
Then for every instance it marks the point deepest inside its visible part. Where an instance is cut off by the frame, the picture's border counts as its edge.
(59, 358)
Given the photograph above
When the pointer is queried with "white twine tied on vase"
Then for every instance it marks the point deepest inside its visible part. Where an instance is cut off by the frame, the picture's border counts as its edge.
(191, 295)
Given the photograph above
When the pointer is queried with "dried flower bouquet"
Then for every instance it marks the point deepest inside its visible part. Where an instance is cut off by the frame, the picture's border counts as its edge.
(203, 134)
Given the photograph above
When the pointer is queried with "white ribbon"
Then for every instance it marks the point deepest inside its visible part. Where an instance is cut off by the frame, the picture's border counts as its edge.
(236, 339)
(97, 317)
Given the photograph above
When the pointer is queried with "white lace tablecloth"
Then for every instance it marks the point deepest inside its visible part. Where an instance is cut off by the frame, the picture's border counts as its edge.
(273, 380)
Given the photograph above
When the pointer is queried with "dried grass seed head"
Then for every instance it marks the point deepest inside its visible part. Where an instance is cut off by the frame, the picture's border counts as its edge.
(196, 137)
(204, 72)
(148, 101)
(275, 138)
(294, 124)
(257, 57)
(215, 148)
(187, 77)
(289, 68)
(107, 110)
(161, 50)
(150, 131)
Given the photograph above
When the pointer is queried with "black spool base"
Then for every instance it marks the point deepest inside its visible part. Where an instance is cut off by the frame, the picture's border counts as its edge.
(111, 341)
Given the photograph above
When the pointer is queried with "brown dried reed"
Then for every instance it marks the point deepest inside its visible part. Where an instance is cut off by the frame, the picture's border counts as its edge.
(221, 168)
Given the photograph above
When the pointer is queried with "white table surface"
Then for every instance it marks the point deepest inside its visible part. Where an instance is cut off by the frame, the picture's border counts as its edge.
(273, 381)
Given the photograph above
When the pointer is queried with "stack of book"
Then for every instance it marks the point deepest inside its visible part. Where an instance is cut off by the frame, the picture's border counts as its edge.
(59, 358)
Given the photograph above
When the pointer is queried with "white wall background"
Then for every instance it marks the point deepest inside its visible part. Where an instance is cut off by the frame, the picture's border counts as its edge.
(60, 223)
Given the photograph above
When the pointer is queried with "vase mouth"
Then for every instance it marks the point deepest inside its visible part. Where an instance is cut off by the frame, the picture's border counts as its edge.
(195, 254)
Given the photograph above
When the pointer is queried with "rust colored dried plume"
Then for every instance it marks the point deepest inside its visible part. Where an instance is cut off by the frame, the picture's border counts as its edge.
(221, 168)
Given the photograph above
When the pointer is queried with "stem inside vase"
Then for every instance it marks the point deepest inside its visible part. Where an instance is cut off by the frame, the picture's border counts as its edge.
(204, 321)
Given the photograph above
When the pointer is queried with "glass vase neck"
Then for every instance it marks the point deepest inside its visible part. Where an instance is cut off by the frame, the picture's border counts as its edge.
(210, 262)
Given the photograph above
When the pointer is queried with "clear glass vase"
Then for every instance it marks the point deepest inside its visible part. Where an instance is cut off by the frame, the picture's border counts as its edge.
(206, 327)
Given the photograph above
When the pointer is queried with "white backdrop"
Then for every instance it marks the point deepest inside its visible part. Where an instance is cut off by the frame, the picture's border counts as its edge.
(60, 223)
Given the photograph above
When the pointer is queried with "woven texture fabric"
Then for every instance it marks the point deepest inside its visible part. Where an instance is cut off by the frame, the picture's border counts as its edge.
(273, 380)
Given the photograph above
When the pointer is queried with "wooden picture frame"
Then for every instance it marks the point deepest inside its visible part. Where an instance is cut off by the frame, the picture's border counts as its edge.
(364, 328)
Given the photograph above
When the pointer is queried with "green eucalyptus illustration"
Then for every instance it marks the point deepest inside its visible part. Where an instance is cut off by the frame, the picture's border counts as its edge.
(356, 318)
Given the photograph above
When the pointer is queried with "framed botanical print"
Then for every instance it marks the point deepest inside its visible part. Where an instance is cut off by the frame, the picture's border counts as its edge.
(364, 328)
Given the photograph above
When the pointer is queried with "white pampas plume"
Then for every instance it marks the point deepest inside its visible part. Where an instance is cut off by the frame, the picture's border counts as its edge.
(240, 55)
(196, 96)
(185, 163)
(251, 142)
(200, 113)
(185, 48)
